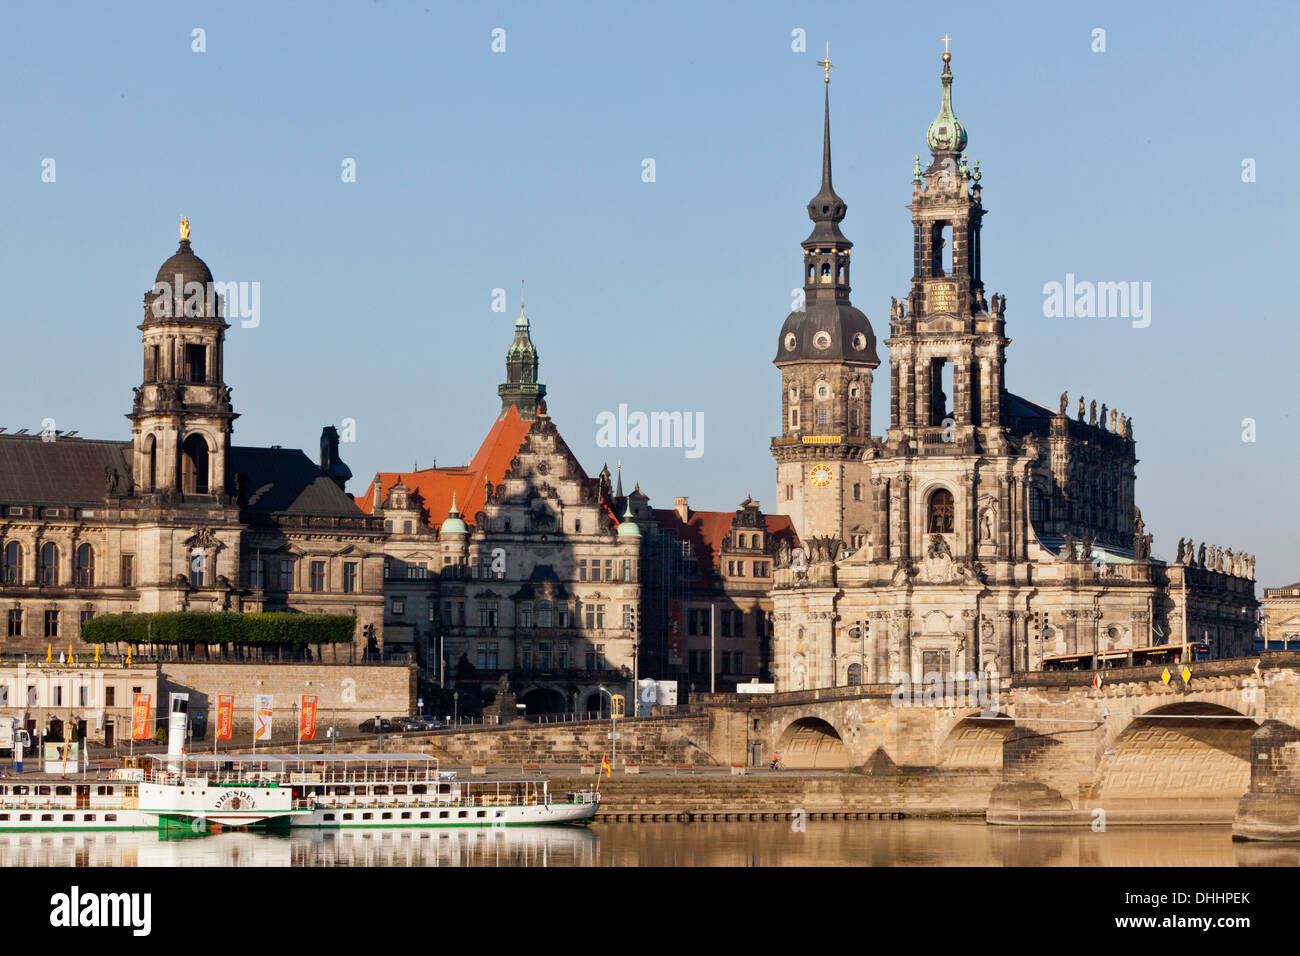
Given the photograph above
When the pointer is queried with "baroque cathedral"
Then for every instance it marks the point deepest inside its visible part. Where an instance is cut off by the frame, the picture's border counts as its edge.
(983, 532)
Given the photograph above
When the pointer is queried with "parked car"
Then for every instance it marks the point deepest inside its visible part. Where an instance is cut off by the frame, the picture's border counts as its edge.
(368, 726)
(418, 723)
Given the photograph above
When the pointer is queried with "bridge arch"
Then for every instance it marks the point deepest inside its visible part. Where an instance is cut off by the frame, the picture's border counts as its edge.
(809, 742)
(976, 743)
(1194, 752)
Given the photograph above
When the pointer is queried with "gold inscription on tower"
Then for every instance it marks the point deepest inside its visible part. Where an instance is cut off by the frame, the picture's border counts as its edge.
(941, 297)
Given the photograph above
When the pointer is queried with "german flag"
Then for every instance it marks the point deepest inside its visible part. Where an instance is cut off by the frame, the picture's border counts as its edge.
(604, 765)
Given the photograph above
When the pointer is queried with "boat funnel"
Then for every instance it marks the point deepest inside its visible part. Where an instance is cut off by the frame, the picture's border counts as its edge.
(176, 725)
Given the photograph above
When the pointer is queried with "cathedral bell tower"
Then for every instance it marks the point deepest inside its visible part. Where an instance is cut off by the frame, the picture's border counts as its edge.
(826, 353)
(181, 417)
(947, 343)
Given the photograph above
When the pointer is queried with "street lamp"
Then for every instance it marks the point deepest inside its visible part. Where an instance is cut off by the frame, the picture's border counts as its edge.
(455, 700)
(613, 740)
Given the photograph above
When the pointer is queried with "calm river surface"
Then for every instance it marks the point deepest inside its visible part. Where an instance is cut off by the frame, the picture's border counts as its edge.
(849, 843)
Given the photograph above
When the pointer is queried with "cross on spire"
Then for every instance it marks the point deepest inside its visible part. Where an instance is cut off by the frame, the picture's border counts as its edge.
(946, 38)
(826, 63)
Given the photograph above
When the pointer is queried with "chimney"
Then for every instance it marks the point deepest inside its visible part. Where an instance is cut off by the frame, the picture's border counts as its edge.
(682, 509)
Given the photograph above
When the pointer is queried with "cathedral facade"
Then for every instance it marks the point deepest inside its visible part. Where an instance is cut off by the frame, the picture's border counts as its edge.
(178, 517)
(983, 531)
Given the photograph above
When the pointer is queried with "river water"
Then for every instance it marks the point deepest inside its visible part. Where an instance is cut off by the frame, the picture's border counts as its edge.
(820, 843)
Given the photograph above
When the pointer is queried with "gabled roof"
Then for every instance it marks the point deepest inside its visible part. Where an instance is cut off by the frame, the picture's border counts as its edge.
(286, 481)
(436, 486)
(705, 530)
(66, 471)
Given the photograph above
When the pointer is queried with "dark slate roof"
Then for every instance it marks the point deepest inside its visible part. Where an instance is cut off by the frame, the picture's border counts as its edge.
(285, 480)
(185, 263)
(838, 319)
(66, 471)
(1019, 407)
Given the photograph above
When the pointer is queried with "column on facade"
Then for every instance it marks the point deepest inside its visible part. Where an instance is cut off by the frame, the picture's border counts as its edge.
(925, 396)
(880, 520)
(905, 518)
(961, 393)
(894, 394)
(972, 517)
(1004, 517)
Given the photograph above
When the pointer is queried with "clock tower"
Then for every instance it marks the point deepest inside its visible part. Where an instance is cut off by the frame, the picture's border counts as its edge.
(826, 352)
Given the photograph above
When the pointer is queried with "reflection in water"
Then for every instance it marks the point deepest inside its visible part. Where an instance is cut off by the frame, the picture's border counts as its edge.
(849, 843)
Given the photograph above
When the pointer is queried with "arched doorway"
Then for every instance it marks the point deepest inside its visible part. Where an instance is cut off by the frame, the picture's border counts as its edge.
(194, 466)
(596, 703)
(812, 742)
(543, 700)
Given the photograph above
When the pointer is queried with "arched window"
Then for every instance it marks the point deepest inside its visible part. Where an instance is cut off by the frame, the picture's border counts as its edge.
(47, 570)
(855, 673)
(13, 563)
(194, 466)
(940, 513)
(85, 572)
(740, 541)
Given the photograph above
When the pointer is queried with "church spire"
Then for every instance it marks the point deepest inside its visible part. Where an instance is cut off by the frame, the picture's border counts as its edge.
(826, 209)
(946, 134)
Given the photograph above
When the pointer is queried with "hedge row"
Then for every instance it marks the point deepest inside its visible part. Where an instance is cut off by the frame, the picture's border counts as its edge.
(219, 627)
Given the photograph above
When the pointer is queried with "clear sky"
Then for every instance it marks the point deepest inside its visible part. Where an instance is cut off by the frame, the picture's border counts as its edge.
(475, 169)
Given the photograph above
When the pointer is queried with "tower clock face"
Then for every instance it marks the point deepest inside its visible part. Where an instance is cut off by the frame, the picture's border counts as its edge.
(821, 476)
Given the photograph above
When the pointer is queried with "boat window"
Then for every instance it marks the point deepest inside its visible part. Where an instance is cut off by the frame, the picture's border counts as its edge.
(367, 816)
(461, 814)
(24, 816)
(380, 790)
(419, 788)
(386, 816)
(110, 818)
(4, 816)
(21, 791)
(348, 816)
(67, 818)
(444, 788)
(329, 816)
(43, 791)
(399, 789)
(406, 814)
(442, 815)
(482, 813)
(63, 791)
(104, 791)
(424, 815)
(3, 790)
(47, 818)
(342, 791)
(90, 817)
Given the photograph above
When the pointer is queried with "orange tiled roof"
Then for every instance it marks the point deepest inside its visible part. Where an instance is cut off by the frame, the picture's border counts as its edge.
(706, 529)
(436, 486)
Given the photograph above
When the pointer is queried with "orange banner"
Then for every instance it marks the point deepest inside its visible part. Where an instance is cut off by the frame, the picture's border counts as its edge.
(307, 718)
(225, 715)
(140, 719)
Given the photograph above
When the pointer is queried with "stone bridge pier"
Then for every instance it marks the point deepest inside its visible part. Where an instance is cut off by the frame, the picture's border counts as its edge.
(1223, 747)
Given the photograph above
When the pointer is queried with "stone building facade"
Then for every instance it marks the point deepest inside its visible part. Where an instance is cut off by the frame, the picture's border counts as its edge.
(517, 564)
(1281, 617)
(983, 531)
(178, 517)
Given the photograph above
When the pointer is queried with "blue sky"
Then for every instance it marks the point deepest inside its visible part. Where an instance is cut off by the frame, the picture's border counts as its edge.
(476, 169)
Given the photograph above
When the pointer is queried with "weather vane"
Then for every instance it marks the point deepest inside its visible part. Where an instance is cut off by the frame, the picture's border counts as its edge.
(826, 63)
(185, 228)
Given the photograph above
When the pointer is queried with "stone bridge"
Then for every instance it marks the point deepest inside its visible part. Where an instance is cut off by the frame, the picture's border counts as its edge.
(1223, 746)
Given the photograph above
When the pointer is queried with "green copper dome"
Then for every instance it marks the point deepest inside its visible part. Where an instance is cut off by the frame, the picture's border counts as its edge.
(453, 524)
(946, 134)
(627, 528)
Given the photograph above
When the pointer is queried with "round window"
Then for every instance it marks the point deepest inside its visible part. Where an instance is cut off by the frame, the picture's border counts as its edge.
(822, 340)
(823, 390)
(859, 341)
(790, 342)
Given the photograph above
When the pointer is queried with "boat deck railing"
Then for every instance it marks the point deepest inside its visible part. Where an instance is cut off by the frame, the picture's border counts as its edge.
(443, 801)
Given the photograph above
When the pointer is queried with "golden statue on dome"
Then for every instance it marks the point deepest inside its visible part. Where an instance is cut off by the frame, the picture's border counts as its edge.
(185, 228)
